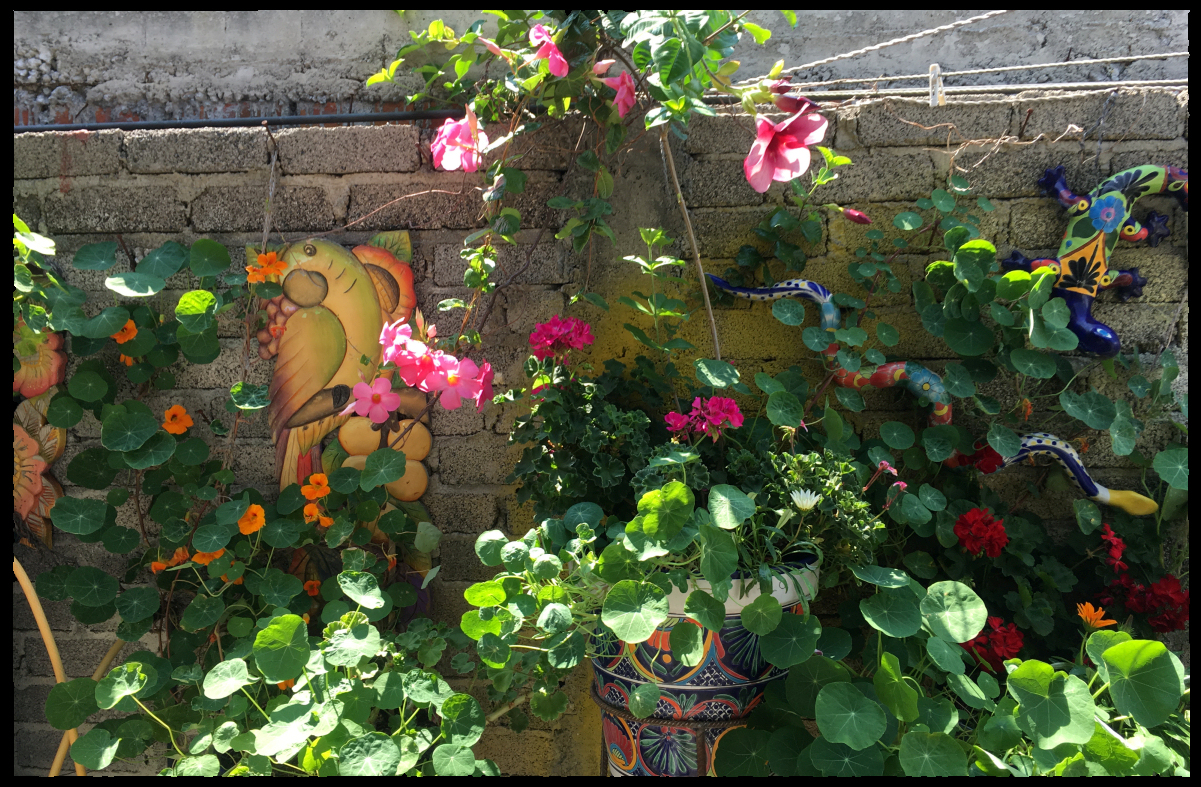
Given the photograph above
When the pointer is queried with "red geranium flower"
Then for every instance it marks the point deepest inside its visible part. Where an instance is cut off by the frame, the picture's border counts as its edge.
(978, 532)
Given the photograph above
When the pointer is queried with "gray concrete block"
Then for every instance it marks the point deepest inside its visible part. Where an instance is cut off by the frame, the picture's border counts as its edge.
(478, 459)
(524, 308)
(715, 182)
(59, 154)
(344, 149)
(1141, 324)
(225, 370)
(80, 655)
(1013, 170)
(720, 232)
(240, 209)
(29, 703)
(58, 613)
(459, 513)
(456, 205)
(906, 123)
(35, 747)
(1036, 223)
(727, 132)
(1166, 269)
(545, 264)
(115, 208)
(196, 150)
(462, 421)
(1146, 114)
(882, 174)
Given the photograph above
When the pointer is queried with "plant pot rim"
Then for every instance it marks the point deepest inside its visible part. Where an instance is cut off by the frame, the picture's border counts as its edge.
(746, 589)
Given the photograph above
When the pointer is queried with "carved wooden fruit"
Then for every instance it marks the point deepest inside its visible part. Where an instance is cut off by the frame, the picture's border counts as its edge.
(357, 436)
(412, 484)
(416, 444)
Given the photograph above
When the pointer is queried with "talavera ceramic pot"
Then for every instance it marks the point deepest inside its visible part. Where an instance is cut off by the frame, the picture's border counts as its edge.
(726, 685)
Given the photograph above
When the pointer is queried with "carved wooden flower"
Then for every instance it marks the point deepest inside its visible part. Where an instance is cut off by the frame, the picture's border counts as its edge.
(43, 362)
(31, 416)
(27, 471)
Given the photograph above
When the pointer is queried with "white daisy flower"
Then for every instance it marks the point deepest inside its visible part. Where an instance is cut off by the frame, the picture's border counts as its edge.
(805, 500)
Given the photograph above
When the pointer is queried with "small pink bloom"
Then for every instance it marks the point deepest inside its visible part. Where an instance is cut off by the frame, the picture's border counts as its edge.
(624, 85)
(886, 467)
(541, 38)
(374, 401)
(416, 362)
(900, 486)
(457, 144)
(856, 216)
(780, 151)
(457, 380)
(484, 393)
(396, 334)
(676, 422)
(787, 103)
(493, 47)
(601, 67)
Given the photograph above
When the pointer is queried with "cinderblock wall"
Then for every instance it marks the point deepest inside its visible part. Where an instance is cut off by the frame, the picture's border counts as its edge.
(150, 187)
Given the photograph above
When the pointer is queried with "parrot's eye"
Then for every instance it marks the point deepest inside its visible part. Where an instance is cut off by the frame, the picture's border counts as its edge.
(310, 249)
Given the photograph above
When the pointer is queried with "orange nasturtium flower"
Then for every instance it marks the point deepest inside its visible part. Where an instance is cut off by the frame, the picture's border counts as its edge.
(253, 520)
(254, 275)
(125, 359)
(312, 587)
(204, 558)
(157, 566)
(325, 521)
(225, 578)
(317, 488)
(311, 512)
(125, 334)
(285, 685)
(180, 556)
(305, 616)
(1093, 618)
(178, 419)
(271, 266)
(1027, 408)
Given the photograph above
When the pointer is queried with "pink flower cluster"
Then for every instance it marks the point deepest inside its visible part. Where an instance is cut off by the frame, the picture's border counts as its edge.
(559, 337)
(542, 38)
(707, 417)
(457, 144)
(425, 369)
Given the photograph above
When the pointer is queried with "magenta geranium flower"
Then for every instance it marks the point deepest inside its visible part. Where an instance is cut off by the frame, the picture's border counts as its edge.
(780, 151)
(707, 417)
(677, 422)
(559, 336)
(624, 85)
(457, 144)
(541, 38)
(375, 401)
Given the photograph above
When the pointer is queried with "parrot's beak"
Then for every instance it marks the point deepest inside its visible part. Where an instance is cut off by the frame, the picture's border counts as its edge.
(323, 404)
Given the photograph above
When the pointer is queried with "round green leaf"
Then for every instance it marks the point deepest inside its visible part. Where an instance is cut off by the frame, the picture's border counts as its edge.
(123, 681)
(888, 335)
(462, 720)
(883, 577)
(687, 643)
(644, 700)
(968, 337)
(208, 258)
(87, 387)
(836, 759)
(845, 716)
(716, 374)
(786, 752)
(1095, 409)
(784, 409)
(788, 311)
(554, 618)
(192, 452)
(203, 612)
(77, 515)
(792, 642)
(896, 435)
(953, 611)
(125, 430)
(348, 646)
(64, 412)
(547, 567)
(135, 285)
(1003, 440)
(808, 678)
(632, 610)
(729, 506)
(945, 656)
(279, 588)
(1033, 363)
(762, 615)
(1145, 679)
(1172, 466)
(96, 256)
(373, 754)
(907, 221)
(281, 649)
(362, 588)
(164, 261)
(485, 594)
(488, 546)
(138, 603)
(1053, 708)
(210, 538)
(893, 612)
(96, 749)
(834, 643)
(1100, 641)
(70, 704)
(932, 754)
(383, 466)
(705, 610)
(226, 678)
(743, 752)
(452, 759)
(155, 451)
(91, 587)
(493, 650)
(891, 689)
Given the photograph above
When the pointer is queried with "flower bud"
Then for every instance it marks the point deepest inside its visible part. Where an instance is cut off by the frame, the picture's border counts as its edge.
(601, 67)
(856, 216)
(787, 103)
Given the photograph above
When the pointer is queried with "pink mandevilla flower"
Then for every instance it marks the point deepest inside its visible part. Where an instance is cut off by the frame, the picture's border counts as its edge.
(457, 380)
(484, 394)
(780, 151)
(787, 103)
(457, 144)
(541, 38)
(394, 338)
(601, 67)
(374, 401)
(624, 85)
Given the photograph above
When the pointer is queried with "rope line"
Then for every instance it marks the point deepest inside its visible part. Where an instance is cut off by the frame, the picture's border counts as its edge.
(893, 42)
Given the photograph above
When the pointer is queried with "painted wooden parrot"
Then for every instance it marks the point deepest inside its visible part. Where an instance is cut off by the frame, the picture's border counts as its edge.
(324, 333)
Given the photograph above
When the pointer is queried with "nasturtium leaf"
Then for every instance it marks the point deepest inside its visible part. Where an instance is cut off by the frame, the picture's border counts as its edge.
(889, 681)
(373, 754)
(87, 387)
(945, 657)
(123, 681)
(687, 643)
(888, 335)
(493, 650)
(96, 256)
(970, 693)
(719, 559)
(836, 759)
(845, 716)
(451, 759)
(932, 754)
(953, 611)
(788, 311)
(633, 609)
(554, 618)
(208, 258)
(135, 285)
(808, 678)
(278, 588)
(1172, 466)
(164, 261)
(1055, 312)
(1053, 708)
(743, 752)
(155, 451)
(79, 516)
(64, 412)
(784, 409)
(768, 384)
(203, 612)
(792, 641)
(195, 310)
(485, 594)
(1095, 409)
(907, 221)
(1003, 440)
(126, 430)
(644, 700)
(706, 610)
(893, 612)
(884, 577)
(248, 396)
(70, 704)
(896, 435)
(1033, 363)
(968, 337)
(138, 603)
(729, 507)
(1100, 641)
(383, 466)
(91, 587)
(1088, 516)
(665, 511)
(762, 615)
(96, 749)
(1146, 680)
(717, 374)
(362, 588)
(225, 678)
(617, 563)
(462, 720)
(281, 649)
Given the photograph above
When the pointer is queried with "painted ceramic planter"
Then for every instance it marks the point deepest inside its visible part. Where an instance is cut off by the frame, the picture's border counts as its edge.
(727, 684)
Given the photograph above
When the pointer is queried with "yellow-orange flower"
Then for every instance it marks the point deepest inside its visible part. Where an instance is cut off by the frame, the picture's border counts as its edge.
(305, 616)
(317, 488)
(125, 334)
(178, 419)
(156, 567)
(391, 562)
(285, 685)
(1093, 618)
(271, 266)
(225, 578)
(254, 275)
(311, 512)
(125, 359)
(253, 520)
(1027, 408)
(180, 556)
(325, 521)
(312, 587)
(204, 558)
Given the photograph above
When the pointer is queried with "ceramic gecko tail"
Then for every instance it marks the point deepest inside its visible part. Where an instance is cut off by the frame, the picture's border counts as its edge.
(929, 389)
(1095, 222)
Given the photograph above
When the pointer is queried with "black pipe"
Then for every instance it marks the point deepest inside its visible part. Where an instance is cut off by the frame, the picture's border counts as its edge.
(291, 120)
